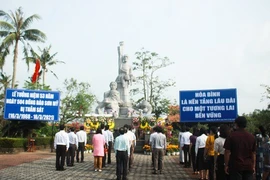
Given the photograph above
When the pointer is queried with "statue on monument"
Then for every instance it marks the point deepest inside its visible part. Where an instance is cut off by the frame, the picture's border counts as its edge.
(119, 93)
(111, 101)
(125, 76)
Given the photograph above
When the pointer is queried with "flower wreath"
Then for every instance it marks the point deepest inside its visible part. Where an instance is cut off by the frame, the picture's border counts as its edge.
(111, 123)
(152, 124)
(143, 125)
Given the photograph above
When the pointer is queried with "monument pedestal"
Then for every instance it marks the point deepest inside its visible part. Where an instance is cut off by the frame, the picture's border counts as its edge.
(121, 121)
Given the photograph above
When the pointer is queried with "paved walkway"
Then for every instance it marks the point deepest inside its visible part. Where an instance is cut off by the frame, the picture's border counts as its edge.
(41, 165)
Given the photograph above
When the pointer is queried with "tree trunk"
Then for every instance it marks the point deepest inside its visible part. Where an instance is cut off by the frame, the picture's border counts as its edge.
(144, 83)
(15, 63)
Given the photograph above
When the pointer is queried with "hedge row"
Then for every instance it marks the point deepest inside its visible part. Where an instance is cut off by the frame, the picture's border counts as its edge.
(23, 142)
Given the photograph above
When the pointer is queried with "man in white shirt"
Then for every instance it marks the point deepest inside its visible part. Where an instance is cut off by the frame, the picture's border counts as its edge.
(132, 143)
(110, 142)
(185, 143)
(152, 135)
(82, 140)
(181, 155)
(61, 144)
(73, 145)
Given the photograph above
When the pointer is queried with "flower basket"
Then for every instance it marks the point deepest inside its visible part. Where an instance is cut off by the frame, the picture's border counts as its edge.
(147, 148)
(89, 148)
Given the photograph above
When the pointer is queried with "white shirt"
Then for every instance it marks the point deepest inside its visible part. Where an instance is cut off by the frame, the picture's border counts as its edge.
(185, 138)
(200, 142)
(131, 137)
(159, 141)
(73, 139)
(218, 145)
(105, 134)
(151, 138)
(61, 138)
(179, 137)
(110, 136)
(82, 137)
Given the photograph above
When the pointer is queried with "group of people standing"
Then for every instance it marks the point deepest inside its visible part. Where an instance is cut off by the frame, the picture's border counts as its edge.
(67, 144)
(225, 153)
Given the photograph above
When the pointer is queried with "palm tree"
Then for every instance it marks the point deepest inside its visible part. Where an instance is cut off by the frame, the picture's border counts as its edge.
(3, 53)
(15, 29)
(46, 59)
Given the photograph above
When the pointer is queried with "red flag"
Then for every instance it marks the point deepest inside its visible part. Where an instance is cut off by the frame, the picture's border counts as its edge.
(36, 73)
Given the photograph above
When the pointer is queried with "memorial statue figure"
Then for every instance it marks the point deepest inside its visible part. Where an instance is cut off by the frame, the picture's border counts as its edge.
(111, 101)
(145, 107)
(125, 76)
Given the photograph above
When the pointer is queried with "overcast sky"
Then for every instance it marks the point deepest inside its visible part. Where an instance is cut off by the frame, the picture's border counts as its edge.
(214, 44)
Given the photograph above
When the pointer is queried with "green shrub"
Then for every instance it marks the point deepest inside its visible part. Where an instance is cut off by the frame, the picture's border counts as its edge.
(12, 142)
(174, 141)
(42, 141)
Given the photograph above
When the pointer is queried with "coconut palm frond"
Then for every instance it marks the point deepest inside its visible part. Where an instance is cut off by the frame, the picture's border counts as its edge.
(8, 40)
(27, 22)
(34, 35)
(3, 33)
(6, 16)
(6, 26)
(53, 74)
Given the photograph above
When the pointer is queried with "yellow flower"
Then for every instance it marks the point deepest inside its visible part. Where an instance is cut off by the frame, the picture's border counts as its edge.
(89, 147)
(147, 147)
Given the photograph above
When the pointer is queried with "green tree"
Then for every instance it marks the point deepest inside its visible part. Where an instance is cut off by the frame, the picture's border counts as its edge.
(36, 86)
(258, 118)
(46, 60)
(77, 100)
(146, 65)
(5, 81)
(15, 29)
(3, 53)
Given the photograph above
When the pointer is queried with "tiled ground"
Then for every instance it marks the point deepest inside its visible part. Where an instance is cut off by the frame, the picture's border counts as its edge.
(44, 169)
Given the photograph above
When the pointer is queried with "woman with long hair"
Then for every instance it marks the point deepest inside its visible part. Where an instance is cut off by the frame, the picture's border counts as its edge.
(98, 142)
(219, 152)
(199, 150)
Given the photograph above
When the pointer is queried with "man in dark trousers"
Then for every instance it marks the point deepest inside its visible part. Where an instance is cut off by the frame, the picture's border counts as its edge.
(110, 142)
(159, 148)
(61, 144)
(240, 152)
(122, 151)
(73, 145)
(82, 140)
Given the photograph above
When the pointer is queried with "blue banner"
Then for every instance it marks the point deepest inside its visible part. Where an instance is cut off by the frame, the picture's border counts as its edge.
(217, 105)
(32, 105)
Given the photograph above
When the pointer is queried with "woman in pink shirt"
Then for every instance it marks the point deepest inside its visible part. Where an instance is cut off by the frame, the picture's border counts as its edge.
(98, 142)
